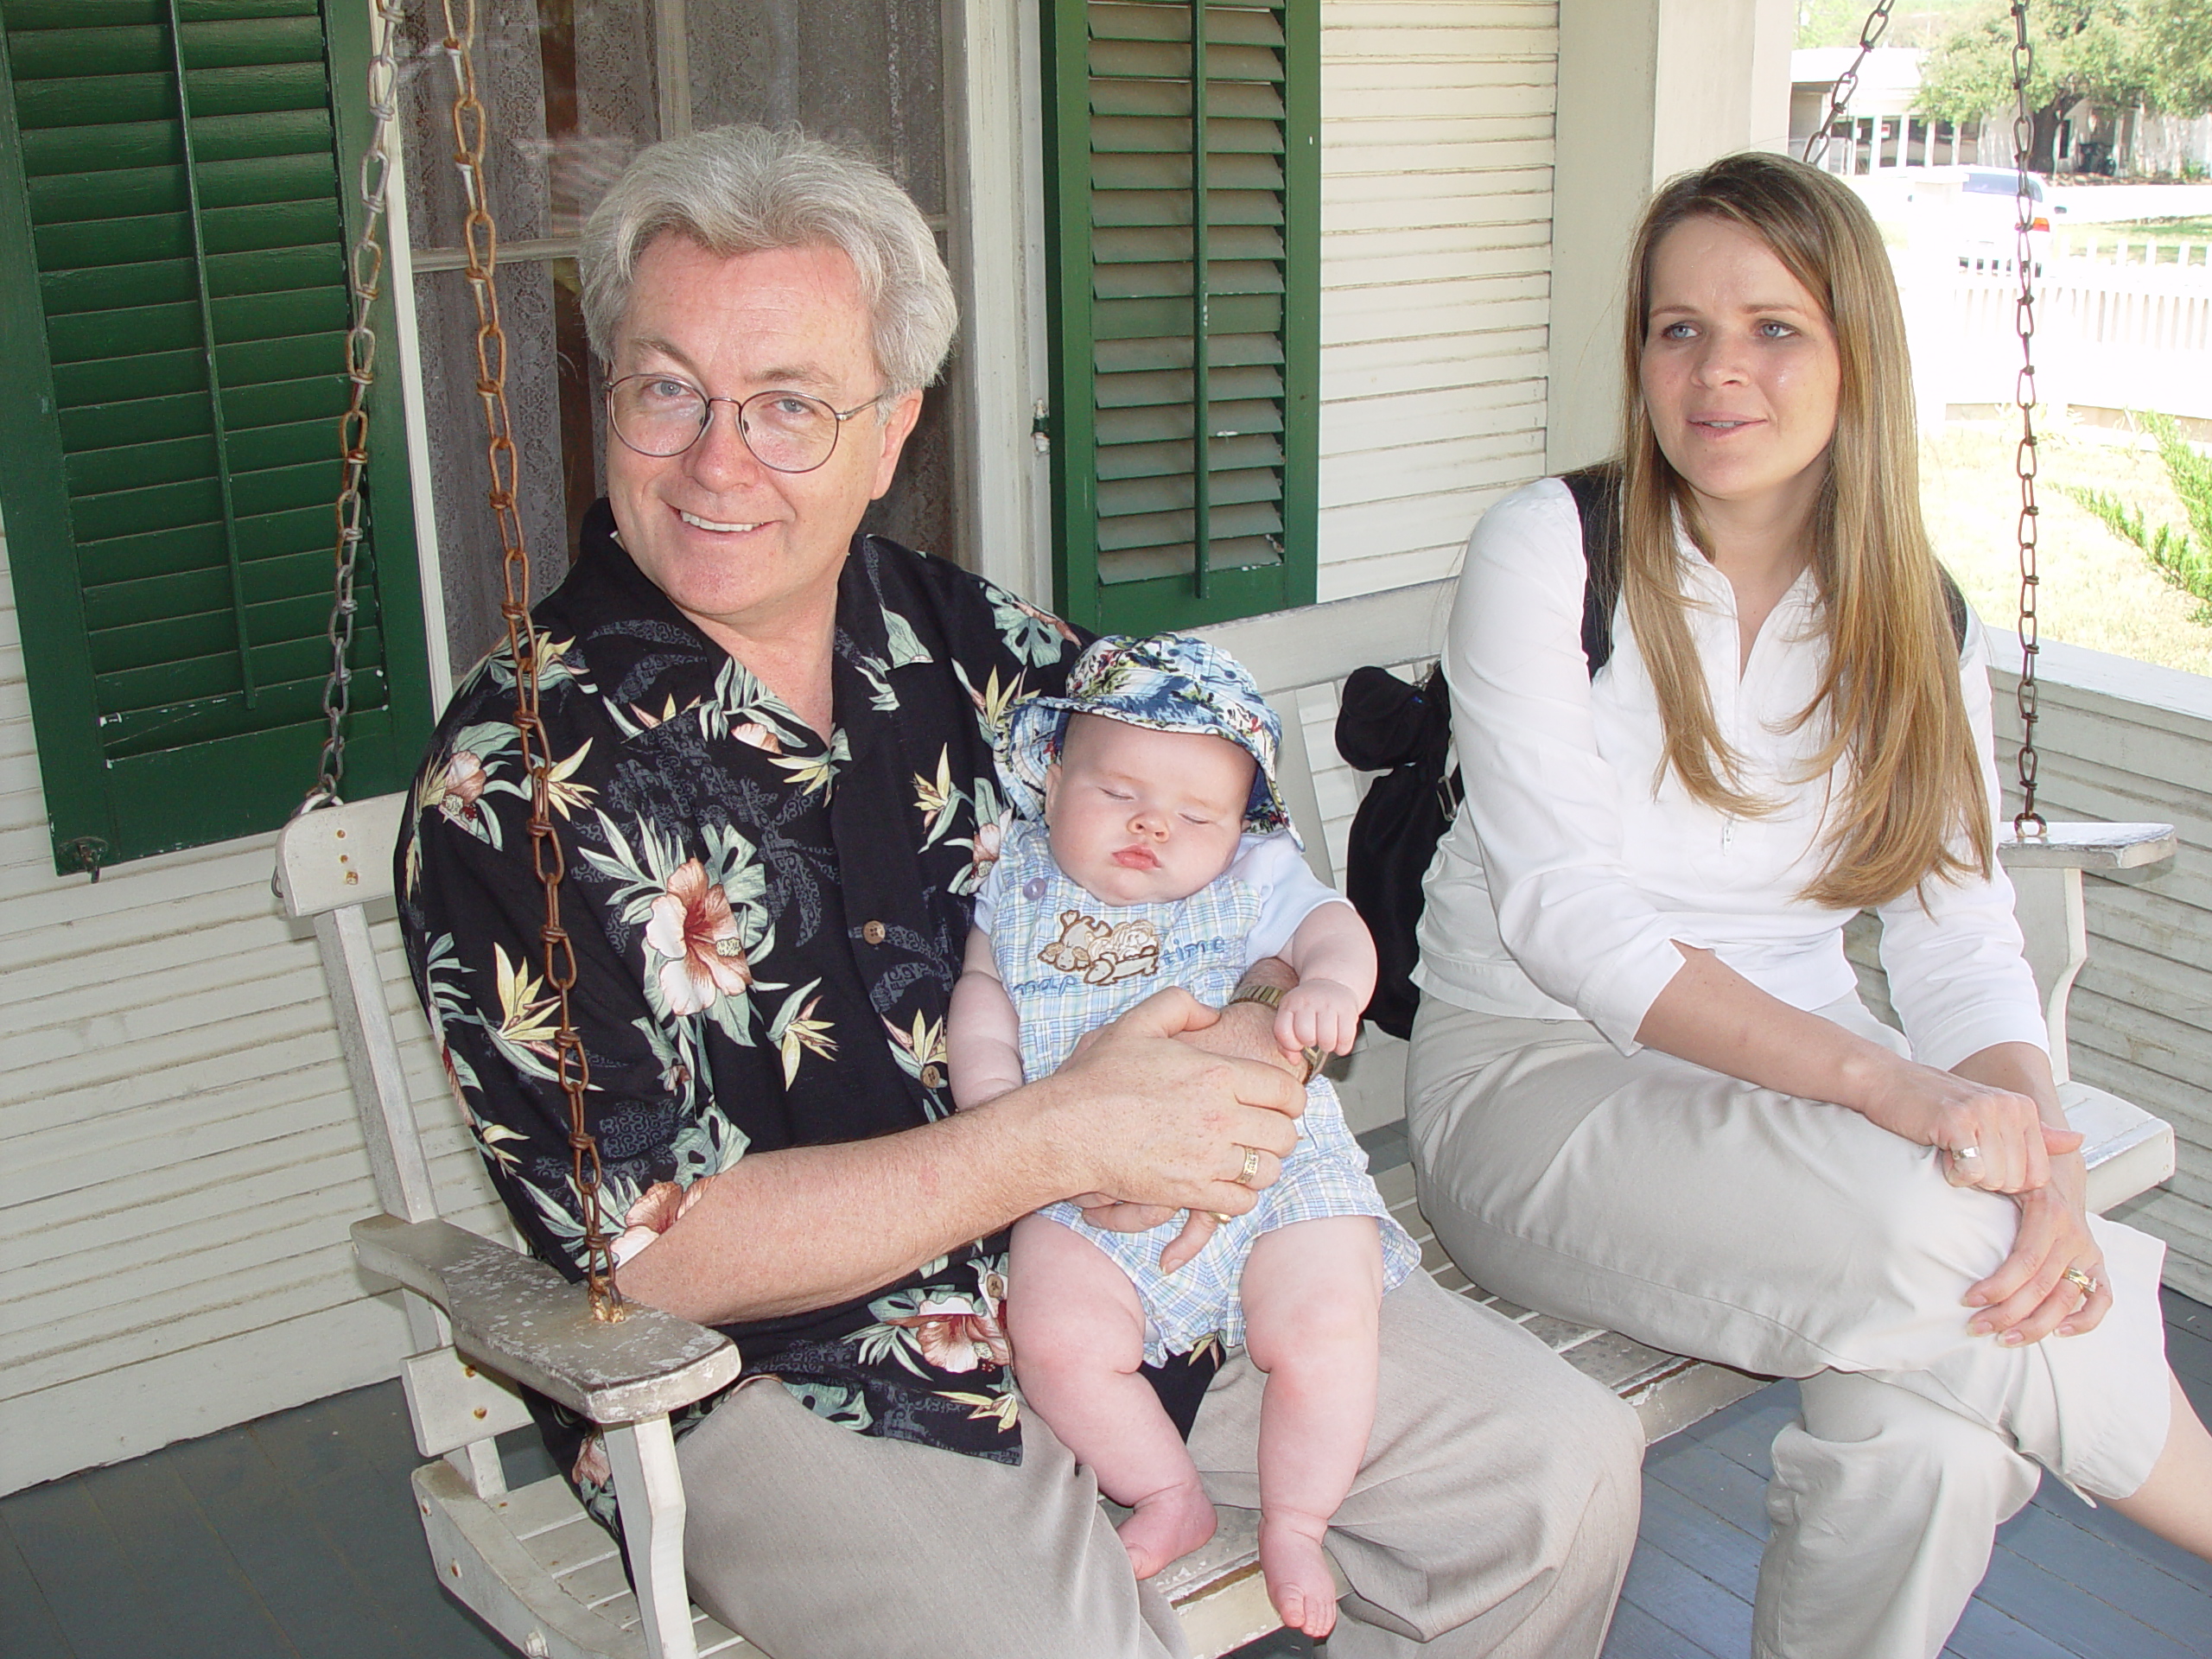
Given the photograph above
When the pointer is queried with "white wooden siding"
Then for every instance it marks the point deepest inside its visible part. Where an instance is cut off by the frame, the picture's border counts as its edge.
(2125, 741)
(180, 1154)
(1436, 156)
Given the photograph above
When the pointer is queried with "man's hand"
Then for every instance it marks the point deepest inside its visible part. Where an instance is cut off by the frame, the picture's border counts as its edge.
(1155, 1121)
(1247, 1030)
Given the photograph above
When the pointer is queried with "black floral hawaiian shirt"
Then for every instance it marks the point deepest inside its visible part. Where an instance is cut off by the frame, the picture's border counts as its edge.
(767, 927)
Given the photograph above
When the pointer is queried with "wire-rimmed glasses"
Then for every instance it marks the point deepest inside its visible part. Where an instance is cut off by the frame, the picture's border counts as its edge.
(660, 414)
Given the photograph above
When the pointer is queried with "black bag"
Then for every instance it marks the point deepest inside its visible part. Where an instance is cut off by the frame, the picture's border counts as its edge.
(1405, 733)
(1385, 724)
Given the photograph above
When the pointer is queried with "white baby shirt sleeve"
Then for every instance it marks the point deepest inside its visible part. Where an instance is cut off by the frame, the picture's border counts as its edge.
(1290, 891)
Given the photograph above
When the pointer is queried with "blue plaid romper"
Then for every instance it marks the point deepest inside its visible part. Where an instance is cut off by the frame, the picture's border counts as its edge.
(1071, 963)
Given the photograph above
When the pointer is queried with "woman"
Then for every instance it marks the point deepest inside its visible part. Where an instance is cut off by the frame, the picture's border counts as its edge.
(1643, 1091)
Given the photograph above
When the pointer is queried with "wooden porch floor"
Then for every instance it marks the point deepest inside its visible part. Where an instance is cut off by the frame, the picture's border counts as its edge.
(292, 1537)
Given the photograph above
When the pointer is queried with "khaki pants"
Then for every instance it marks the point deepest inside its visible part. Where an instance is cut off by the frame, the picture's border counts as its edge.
(1698, 1213)
(1494, 1516)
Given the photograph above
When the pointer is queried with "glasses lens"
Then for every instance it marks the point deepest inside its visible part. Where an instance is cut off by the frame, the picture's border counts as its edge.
(789, 432)
(657, 415)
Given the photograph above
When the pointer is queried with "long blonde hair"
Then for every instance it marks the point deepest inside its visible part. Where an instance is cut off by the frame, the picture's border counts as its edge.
(1890, 701)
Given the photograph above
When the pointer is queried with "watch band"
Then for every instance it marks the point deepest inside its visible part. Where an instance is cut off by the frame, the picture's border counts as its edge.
(1271, 996)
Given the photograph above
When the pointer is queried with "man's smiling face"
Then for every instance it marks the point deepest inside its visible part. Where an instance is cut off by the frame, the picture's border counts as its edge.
(738, 546)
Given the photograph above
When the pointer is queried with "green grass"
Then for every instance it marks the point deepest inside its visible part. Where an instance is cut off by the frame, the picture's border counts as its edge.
(2183, 230)
(2097, 589)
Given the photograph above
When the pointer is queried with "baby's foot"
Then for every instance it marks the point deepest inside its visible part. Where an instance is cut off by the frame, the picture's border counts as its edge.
(1167, 1527)
(1297, 1571)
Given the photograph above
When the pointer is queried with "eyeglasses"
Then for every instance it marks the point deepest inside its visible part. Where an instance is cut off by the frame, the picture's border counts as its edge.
(787, 431)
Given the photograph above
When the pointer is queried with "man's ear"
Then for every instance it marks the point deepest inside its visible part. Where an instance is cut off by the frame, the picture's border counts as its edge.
(898, 425)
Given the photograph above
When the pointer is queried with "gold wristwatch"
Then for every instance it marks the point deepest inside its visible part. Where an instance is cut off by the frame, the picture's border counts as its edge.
(1271, 996)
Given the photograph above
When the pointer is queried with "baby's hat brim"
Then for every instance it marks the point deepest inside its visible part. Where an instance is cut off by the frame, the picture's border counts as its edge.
(1168, 682)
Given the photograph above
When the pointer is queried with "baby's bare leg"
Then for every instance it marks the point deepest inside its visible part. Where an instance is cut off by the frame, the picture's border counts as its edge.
(1078, 1339)
(1313, 1297)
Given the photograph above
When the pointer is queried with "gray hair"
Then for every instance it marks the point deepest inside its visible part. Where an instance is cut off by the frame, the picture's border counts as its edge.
(745, 189)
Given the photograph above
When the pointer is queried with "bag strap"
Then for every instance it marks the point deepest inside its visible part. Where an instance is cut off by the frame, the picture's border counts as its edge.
(1597, 492)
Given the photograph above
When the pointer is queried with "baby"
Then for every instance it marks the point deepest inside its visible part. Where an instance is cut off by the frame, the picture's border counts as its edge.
(1165, 857)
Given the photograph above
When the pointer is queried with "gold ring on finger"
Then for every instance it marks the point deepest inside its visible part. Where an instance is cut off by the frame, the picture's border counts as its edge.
(2085, 1282)
(1245, 1175)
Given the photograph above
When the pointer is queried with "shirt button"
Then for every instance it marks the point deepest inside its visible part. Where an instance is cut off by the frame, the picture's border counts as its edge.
(872, 932)
(931, 1078)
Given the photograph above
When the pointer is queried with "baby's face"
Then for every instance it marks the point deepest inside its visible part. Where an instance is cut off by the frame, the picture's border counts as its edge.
(1138, 816)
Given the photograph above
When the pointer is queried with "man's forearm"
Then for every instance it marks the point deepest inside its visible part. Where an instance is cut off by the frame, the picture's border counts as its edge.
(1137, 1115)
(810, 1227)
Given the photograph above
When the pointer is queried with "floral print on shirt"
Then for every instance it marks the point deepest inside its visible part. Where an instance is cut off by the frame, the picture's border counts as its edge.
(767, 923)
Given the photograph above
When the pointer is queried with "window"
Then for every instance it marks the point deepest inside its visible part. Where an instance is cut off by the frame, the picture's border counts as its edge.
(1185, 343)
(173, 312)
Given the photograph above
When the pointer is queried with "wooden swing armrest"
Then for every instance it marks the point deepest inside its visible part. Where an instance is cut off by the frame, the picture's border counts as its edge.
(2088, 846)
(517, 1316)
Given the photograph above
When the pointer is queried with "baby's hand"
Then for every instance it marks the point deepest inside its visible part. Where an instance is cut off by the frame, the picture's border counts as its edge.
(1318, 1013)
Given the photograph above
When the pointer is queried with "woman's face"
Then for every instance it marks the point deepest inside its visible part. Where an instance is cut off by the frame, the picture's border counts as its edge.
(1739, 371)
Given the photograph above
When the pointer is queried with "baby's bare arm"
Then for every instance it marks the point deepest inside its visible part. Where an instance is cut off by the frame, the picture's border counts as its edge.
(1333, 943)
(1334, 957)
(983, 1034)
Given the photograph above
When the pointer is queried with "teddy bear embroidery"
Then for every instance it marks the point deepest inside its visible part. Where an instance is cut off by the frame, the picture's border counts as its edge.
(1102, 954)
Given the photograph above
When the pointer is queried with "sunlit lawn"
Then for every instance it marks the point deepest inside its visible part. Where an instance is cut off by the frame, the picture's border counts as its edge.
(2097, 590)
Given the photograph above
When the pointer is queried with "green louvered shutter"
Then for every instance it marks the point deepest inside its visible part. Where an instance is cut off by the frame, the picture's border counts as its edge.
(173, 239)
(1184, 415)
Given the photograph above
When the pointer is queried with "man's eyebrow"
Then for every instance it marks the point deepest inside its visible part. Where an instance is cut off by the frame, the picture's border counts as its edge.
(799, 376)
(664, 349)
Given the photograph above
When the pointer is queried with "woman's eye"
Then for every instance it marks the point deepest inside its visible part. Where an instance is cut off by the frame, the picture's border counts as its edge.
(1676, 331)
(1772, 330)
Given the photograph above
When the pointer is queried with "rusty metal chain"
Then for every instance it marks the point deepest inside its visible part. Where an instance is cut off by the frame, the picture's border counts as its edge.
(364, 280)
(2027, 820)
(525, 644)
(1817, 145)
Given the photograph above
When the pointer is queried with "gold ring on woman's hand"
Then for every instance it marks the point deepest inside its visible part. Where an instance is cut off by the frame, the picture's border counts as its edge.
(2087, 1282)
(1251, 1166)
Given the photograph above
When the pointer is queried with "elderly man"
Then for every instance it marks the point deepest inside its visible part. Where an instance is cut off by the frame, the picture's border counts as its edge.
(774, 781)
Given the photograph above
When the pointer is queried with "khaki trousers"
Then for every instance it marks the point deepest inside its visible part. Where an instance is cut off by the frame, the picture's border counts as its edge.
(1494, 1516)
(1790, 1237)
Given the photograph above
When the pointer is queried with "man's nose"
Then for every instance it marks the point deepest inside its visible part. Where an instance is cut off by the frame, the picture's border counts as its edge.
(720, 459)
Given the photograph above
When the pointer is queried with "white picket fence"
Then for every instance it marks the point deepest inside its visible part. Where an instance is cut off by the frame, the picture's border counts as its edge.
(2117, 332)
(2094, 244)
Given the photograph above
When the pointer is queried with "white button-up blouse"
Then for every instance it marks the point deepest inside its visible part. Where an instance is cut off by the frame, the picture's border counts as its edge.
(1577, 859)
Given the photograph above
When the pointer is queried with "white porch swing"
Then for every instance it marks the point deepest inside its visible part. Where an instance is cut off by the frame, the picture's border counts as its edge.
(482, 1317)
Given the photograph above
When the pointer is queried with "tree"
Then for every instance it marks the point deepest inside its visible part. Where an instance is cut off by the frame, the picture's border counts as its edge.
(2117, 54)
(2179, 36)
(1912, 23)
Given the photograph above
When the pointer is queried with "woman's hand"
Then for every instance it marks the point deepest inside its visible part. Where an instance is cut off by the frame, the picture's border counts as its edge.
(1991, 1138)
(2029, 1295)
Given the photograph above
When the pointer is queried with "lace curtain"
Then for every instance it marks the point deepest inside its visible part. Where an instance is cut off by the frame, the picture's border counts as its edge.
(569, 90)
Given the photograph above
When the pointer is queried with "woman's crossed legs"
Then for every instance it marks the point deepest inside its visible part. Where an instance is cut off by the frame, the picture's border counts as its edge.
(1790, 1237)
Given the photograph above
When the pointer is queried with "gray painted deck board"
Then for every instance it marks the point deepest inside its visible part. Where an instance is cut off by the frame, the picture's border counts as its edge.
(2067, 1581)
(295, 1538)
